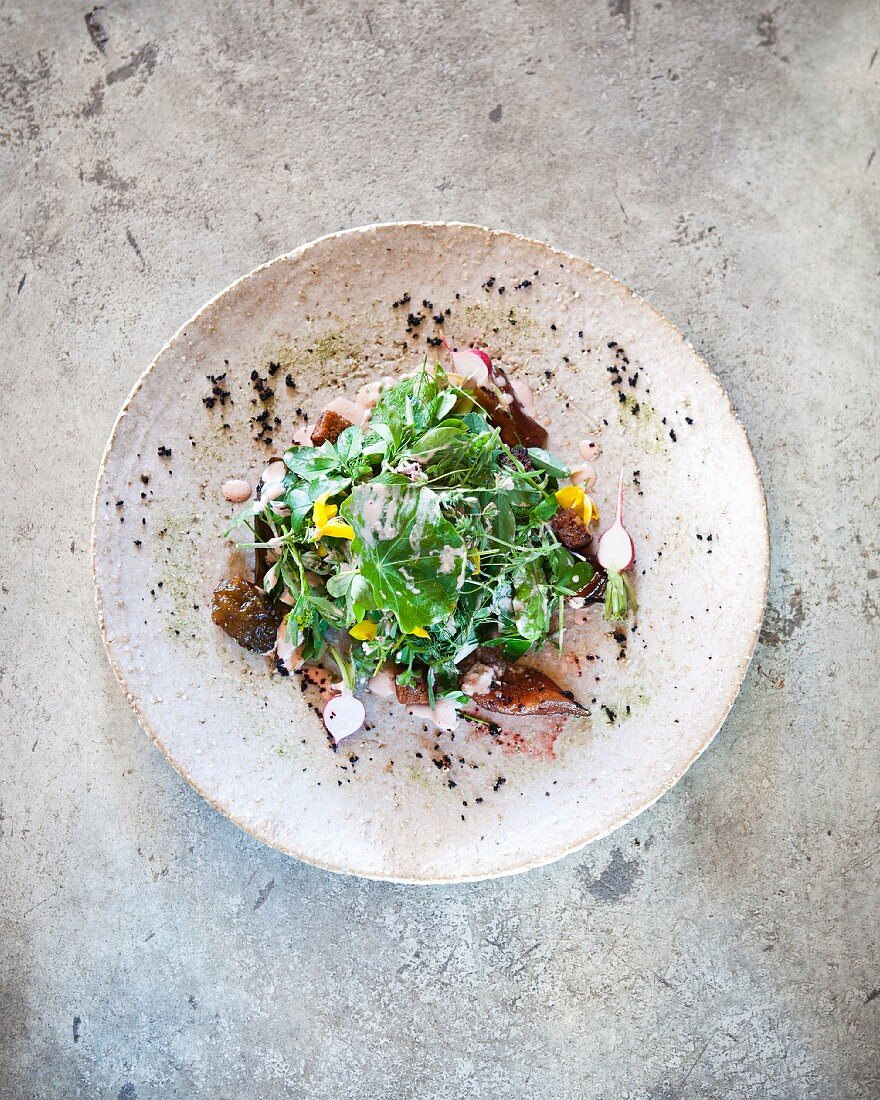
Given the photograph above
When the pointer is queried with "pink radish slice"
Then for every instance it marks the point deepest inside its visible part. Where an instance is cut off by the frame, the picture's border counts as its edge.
(343, 715)
(471, 363)
(616, 549)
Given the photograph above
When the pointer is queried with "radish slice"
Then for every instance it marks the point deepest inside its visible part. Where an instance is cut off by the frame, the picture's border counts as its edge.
(616, 549)
(472, 364)
(616, 554)
(343, 715)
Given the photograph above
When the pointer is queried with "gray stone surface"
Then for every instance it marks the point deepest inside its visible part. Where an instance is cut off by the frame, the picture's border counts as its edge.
(720, 158)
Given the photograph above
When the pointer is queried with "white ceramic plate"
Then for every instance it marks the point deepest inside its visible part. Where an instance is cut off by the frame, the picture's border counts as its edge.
(247, 740)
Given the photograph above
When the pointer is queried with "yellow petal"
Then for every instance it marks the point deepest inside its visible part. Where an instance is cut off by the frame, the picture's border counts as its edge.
(322, 511)
(337, 529)
(573, 496)
(419, 632)
(475, 558)
(363, 632)
(570, 496)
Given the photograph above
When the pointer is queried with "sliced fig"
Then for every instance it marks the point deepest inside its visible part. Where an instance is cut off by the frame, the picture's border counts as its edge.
(530, 433)
(497, 413)
(520, 689)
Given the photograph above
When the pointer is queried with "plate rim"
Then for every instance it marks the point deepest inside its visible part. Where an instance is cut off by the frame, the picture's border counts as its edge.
(427, 880)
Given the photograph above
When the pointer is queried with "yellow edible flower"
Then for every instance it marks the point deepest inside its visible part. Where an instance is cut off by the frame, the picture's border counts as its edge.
(326, 522)
(475, 558)
(363, 632)
(573, 496)
(419, 632)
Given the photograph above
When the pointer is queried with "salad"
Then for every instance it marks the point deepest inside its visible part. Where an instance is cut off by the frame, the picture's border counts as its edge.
(422, 545)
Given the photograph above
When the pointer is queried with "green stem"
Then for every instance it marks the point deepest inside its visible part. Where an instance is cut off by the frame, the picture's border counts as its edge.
(615, 597)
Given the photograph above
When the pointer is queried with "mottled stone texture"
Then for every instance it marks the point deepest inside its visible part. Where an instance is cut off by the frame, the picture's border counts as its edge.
(719, 158)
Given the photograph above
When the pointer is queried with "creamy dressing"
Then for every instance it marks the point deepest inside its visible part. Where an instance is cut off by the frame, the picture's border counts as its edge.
(372, 512)
(478, 680)
(523, 394)
(272, 491)
(275, 471)
(589, 449)
(368, 395)
(585, 476)
(443, 715)
(412, 470)
(382, 684)
(286, 652)
(450, 557)
(236, 490)
(350, 410)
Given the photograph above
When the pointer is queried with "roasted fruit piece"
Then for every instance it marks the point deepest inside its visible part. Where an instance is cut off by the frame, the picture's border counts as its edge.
(516, 688)
(330, 426)
(246, 613)
(414, 694)
(571, 530)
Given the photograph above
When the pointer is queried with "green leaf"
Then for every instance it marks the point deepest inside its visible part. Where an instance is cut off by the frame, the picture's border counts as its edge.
(547, 509)
(449, 434)
(300, 504)
(543, 460)
(310, 463)
(530, 607)
(568, 573)
(348, 445)
(504, 524)
(413, 558)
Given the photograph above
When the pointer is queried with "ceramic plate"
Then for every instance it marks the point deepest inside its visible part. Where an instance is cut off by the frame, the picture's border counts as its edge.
(403, 803)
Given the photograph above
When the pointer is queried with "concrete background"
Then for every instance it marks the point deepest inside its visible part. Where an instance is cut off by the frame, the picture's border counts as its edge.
(721, 159)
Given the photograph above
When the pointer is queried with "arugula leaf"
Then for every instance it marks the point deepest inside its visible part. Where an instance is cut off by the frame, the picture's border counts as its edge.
(413, 558)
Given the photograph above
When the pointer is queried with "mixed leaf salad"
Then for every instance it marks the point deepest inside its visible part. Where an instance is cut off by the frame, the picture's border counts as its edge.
(426, 545)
